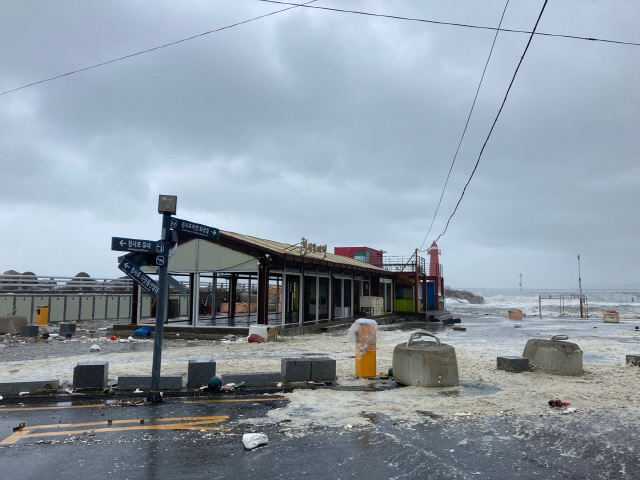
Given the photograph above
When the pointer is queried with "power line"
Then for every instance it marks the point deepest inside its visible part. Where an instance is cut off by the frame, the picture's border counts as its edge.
(455, 156)
(480, 27)
(496, 120)
(153, 49)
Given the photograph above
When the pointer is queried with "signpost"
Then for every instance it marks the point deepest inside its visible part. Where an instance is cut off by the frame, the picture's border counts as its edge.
(145, 253)
(138, 276)
(186, 228)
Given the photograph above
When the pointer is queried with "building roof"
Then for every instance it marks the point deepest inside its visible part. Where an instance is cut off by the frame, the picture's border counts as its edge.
(294, 250)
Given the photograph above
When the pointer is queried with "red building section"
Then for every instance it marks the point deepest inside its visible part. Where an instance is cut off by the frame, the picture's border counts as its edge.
(364, 254)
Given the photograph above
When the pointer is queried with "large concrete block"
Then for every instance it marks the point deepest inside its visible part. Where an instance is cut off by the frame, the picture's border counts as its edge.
(513, 364)
(66, 328)
(295, 370)
(91, 375)
(633, 359)
(425, 364)
(143, 382)
(554, 357)
(199, 372)
(31, 386)
(12, 324)
(323, 369)
(29, 330)
(258, 379)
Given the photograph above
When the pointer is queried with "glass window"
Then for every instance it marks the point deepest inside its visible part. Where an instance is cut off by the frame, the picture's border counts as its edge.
(362, 255)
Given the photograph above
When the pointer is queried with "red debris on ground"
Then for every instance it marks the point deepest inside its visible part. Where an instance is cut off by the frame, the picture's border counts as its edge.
(558, 403)
(255, 338)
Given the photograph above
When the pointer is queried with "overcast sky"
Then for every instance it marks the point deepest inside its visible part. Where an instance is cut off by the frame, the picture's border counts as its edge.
(336, 127)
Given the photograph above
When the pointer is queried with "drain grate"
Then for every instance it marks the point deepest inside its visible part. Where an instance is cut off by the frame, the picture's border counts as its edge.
(362, 388)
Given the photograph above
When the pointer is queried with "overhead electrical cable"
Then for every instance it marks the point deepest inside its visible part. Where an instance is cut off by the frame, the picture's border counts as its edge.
(455, 156)
(495, 120)
(481, 27)
(154, 48)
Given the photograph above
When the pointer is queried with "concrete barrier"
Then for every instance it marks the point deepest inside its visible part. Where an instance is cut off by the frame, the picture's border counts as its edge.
(513, 364)
(91, 375)
(554, 356)
(258, 379)
(199, 372)
(323, 369)
(12, 324)
(295, 370)
(29, 330)
(634, 359)
(425, 364)
(30, 386)
(143, 382)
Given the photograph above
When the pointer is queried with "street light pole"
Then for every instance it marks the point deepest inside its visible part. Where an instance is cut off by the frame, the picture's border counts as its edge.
(167, 207)
(520, 282)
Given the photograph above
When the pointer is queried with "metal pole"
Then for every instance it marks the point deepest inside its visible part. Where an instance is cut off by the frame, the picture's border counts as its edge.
(161, 315)
(580, 286)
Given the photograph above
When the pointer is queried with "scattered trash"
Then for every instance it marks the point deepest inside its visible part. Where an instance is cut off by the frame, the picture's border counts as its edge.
(23, 393)
(19, 427)
(142, 332)
(137, 390)
(570, 410)
(110, 391)
(131, 339)
(558, 403)
(113, 337)
(214, 384)
(253, 440)
(69, 390)
(94, 348)
(460, 329)
(255, 338)
(228, 387)
(0, 397)
(45, 335)
(102, 329)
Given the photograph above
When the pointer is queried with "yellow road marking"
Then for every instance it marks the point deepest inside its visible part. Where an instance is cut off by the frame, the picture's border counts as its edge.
(200, 423)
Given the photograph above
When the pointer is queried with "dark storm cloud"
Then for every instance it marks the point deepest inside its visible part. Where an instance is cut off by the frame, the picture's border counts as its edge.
(337, 127)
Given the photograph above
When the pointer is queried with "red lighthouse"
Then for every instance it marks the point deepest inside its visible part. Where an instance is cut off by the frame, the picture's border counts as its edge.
(434, 271)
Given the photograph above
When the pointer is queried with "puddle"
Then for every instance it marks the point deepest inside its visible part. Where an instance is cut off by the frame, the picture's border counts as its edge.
(471, 389)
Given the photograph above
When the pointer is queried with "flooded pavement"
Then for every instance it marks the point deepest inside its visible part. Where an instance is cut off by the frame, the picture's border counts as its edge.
(206, 442)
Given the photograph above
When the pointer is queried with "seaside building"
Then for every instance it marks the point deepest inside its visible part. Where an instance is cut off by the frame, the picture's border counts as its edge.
(245, 279)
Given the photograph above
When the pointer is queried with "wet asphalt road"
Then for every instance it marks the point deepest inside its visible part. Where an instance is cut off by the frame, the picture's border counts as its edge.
(179, 439)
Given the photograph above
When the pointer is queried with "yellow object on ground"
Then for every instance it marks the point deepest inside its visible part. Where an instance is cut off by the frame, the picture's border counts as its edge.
(363, 334)
(42, 315)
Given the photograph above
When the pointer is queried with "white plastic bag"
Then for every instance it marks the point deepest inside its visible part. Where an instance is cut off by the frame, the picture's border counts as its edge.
(253, 440)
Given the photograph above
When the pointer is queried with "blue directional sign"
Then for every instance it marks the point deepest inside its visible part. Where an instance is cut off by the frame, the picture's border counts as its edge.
(186, 228)
(141, 246)
(144, 280)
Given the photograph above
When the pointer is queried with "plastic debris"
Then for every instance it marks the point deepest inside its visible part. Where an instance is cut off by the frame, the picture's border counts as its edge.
(214, 384)
(253, 440)
(142, 332)
(19, 427)
(255, 338)
(113, 337)
(558, 403)
(94, 348)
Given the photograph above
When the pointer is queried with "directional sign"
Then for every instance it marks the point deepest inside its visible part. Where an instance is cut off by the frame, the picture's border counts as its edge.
(144, 280)
(186, 228)
(141, 246)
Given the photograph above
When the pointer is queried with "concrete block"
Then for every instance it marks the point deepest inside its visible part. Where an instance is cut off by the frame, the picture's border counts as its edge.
(143, 382)
(67, 328)
(425, 364)
(258, 379)
(91, 375)
(513, 364)
(12, 324)
(554, 357)
(323, 369)
(633, 359)
(29, 330)
(199, 372)
(31, 386)
(295, 370)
